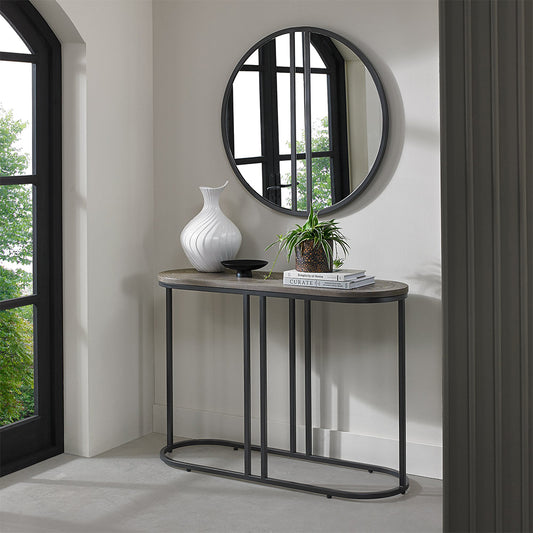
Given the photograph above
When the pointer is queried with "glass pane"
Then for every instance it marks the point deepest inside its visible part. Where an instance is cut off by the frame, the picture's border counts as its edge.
(283, 53)
(319, 112)
(321, 183)
(301, 186)
(17, 400)
(300, 114)
(253, 174)
(284, 112)
(253, 59)
(285, 179)
(16, 241)
(316, 61)
(247, 114)
(298, 49)
(10, 40)
(16, 118)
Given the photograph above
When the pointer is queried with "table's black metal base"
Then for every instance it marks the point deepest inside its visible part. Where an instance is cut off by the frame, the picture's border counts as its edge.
(328, 491)
(264, 449)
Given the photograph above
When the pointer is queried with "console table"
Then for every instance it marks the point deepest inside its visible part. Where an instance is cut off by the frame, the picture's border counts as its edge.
(380, 292)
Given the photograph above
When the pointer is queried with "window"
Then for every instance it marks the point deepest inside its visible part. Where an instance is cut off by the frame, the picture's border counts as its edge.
(31, 383)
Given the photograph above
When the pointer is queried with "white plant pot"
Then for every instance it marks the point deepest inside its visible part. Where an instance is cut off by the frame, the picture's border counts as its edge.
(210, 237)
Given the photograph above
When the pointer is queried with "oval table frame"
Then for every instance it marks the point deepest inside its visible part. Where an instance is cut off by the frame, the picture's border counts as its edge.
(380, 292)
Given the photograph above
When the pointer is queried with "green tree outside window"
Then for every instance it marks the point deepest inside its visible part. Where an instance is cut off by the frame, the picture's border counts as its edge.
(16, 250)
(321, 169)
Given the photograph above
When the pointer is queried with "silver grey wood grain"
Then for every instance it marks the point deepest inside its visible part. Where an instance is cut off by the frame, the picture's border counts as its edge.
(189, 277)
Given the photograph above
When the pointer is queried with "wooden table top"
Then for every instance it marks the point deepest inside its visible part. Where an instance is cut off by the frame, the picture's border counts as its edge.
(191, 279)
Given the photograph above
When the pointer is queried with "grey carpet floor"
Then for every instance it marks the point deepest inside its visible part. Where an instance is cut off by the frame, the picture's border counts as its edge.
(129, 489)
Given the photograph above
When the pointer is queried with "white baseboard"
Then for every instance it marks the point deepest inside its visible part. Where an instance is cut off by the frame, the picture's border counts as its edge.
(422, 459)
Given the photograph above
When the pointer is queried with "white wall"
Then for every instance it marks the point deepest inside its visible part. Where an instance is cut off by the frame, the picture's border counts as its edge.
(108, 219)
(394, 232)
(112, 253)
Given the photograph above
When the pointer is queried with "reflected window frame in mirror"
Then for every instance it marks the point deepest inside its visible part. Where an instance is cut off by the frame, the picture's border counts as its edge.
(261, 59)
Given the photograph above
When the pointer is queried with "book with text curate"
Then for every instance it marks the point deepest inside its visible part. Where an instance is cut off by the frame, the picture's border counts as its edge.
(329, 284)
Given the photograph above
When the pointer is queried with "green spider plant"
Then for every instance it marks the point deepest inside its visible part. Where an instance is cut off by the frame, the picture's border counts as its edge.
(326, 234)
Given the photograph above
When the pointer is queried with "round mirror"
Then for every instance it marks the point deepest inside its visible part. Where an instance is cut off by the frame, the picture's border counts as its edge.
(304, 121)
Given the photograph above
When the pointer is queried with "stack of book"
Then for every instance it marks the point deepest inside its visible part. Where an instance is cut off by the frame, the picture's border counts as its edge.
(338, 279)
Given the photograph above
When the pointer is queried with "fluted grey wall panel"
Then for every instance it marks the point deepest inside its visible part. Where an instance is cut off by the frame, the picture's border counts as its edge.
(487, 187)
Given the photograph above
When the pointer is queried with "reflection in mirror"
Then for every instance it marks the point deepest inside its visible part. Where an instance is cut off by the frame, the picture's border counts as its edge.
(304, 120)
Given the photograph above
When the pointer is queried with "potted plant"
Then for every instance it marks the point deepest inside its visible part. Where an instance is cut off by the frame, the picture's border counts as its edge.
(314, 245)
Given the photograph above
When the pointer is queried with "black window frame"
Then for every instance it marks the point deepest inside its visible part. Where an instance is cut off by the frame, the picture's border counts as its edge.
(42, 435)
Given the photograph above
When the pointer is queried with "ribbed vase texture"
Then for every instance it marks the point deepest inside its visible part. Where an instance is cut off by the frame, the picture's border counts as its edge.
(210, 237)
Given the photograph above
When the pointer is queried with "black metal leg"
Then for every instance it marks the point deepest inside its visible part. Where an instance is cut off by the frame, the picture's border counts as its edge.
(401, 392)
(263, 385)
(170, 397)
(247, 394)
(308, 418)
(292, 373)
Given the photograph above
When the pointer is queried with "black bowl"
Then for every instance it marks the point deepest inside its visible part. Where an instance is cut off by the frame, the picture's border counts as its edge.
(244, 267)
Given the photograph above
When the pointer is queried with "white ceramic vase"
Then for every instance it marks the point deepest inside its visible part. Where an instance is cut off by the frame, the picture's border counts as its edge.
(210, 237)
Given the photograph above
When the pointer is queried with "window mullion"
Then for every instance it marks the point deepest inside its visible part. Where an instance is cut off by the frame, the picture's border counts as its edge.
(307, 117)
(294, 191)
(19, 302)
(18, 180)
(24, 58)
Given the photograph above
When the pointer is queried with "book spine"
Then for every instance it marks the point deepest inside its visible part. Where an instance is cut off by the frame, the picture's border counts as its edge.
(363, 283)
(332, 276)
(326, 276)
(336, 284)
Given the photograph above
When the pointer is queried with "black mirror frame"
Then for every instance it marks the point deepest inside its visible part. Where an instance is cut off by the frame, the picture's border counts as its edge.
(384, 109)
